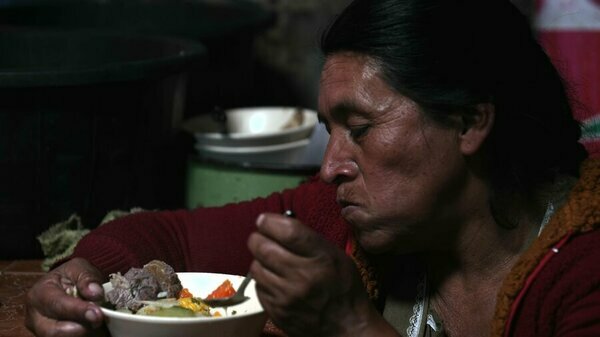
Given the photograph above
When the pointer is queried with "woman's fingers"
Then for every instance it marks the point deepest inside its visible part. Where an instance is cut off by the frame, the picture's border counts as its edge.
(54, 303)
(303, 281)
(289, 233)
(62, 302)
(87, 279)
(292, 263)
(272, 255)
(43, 326)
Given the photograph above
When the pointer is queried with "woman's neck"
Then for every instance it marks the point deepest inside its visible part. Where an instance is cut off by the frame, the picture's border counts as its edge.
(465, 278)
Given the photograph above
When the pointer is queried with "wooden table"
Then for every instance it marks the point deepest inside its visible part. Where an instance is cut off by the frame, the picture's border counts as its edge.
(16, 277)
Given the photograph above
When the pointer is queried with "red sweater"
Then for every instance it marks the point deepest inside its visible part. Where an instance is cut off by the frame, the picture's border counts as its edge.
(199, 240)
(564, 297)
(554, 288)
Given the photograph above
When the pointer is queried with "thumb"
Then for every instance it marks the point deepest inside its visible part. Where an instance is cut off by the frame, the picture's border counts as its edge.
(88, 280)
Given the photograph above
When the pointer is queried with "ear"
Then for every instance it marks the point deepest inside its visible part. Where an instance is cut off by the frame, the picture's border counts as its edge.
(476, 128)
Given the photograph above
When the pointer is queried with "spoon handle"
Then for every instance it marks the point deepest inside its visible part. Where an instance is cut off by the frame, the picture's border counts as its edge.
(244, 283)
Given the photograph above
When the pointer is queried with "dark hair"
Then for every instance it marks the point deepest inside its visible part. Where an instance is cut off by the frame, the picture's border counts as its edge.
(449, 55)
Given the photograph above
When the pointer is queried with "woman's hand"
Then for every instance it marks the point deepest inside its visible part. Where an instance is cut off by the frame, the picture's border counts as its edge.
(54, 308)
(307, 286)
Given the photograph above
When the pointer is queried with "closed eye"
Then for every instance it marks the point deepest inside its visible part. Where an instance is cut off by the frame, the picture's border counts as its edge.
(357, 132)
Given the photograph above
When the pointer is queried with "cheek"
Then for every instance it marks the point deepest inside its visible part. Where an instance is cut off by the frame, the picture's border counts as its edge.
(391, 164)
(386, 187)
(403, 176)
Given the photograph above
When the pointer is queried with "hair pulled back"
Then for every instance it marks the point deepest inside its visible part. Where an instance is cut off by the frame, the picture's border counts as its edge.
(450, 55)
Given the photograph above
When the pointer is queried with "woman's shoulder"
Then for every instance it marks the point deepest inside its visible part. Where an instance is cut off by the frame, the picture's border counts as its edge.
(565, 295)
(578, 257)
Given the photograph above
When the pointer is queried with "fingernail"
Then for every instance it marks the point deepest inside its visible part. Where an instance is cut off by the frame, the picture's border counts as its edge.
(259, 220)
(94, 289)
(93, 316)
(90, 315)
(68, 327)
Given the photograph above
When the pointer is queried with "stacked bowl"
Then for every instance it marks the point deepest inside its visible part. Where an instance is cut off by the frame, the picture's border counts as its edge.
(250, 152)
(256, 135)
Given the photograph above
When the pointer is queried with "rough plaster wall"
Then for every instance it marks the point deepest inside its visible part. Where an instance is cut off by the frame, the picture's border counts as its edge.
(291, 46)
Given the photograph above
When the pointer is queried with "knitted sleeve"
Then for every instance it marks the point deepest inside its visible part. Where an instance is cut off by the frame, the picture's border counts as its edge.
(565, 298)
(206, 239)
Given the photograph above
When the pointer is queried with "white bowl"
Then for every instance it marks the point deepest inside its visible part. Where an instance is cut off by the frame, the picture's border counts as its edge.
(286, 153)
(258, 126)
(246, 319)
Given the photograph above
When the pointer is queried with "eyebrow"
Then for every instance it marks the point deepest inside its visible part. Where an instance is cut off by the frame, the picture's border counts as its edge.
(341, 110)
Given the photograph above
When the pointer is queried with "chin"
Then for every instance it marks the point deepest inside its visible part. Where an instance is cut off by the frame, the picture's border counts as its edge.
(373, 244)
(379, 243)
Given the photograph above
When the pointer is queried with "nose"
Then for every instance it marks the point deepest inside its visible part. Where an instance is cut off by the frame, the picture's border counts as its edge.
(338, 164)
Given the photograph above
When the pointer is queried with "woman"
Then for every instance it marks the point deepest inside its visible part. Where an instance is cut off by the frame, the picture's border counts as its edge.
(453, 158)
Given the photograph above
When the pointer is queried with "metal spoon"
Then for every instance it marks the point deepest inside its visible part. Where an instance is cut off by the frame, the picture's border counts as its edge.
(239, 296)
(236, 298)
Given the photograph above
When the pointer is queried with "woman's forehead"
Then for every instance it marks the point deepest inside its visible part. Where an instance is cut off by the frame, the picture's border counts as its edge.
(349, 64)
(351, 79)
(343, 74)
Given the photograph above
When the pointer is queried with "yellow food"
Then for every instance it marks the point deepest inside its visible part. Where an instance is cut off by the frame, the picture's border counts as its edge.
(194, 305)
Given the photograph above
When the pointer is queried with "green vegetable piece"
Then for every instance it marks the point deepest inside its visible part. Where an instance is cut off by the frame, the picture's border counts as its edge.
(173, 312)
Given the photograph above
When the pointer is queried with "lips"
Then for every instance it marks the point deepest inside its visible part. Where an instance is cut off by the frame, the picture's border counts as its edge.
(345, 203)
(344, 198)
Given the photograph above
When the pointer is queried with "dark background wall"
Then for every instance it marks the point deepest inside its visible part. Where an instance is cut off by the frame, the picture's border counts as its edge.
(89, 149)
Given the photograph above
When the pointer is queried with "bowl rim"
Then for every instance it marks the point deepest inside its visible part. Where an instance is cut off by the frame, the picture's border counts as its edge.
(310, 121)
(253, 149)
(113, 314)
(189, 53)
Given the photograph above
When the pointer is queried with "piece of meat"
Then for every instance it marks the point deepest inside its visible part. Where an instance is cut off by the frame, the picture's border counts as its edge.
(119, 296)
(166, 276)
(129, 289)
(143, 284)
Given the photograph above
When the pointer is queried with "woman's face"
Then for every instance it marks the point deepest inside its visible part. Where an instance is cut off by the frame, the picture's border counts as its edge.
(399, 175)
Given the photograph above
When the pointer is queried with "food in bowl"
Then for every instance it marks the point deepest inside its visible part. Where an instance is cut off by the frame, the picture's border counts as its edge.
(245, 319)
(155, 290)
(154, 281)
